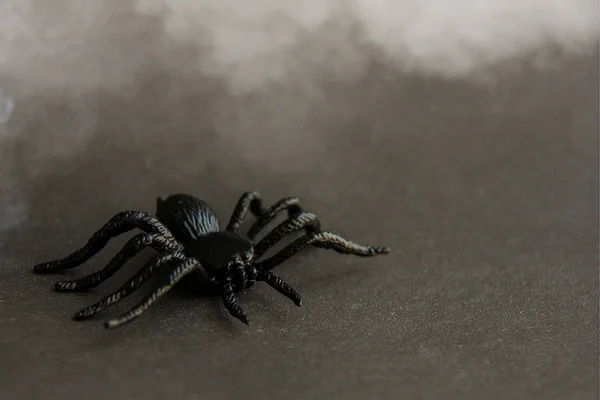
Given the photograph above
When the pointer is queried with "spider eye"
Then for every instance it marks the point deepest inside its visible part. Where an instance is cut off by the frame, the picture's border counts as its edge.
(246, 256)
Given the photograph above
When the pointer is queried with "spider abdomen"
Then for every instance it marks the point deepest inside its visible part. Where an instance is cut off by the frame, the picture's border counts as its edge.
(186, 217)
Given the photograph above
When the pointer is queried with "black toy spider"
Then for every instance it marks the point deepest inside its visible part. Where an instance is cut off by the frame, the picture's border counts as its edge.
(186, 233)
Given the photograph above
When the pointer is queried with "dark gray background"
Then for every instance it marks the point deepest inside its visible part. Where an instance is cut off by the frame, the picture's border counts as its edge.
(488, 199)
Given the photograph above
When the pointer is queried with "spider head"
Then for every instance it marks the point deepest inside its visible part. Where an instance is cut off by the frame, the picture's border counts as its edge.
(225, 256)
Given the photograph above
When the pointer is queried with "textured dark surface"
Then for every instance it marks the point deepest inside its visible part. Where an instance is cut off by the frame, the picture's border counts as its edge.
(488, 199)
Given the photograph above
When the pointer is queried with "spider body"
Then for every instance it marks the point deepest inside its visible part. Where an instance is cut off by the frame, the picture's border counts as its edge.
(195, 225)
(187, 234)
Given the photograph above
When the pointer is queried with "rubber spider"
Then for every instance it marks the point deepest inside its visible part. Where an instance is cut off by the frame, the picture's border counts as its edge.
(187, 236)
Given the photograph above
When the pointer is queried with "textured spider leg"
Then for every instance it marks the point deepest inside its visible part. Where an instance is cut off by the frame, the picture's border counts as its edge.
(135, 245)
(281, 286)
(291, 204)
(231, 304)
(182, 269)
(120, 223)
(131, 285)
(292, 224)
(326, 240)
(248, 201)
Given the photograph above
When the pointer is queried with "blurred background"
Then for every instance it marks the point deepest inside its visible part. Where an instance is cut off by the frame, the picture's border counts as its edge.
(463, 136)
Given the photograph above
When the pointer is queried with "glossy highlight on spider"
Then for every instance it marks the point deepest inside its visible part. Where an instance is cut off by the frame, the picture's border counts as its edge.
(187, 236)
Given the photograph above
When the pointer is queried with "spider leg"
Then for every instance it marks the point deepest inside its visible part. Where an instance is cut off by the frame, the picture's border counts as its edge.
(231, 304)
(135, 245)
(182, 269)
(326, 240)
(248, 201)
(292, 224)
(131, 285)
(281, 286)
(291, 204)
(120, 223)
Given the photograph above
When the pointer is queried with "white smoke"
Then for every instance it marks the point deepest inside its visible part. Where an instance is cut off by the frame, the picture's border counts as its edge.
(79, 45)
(275, 40)
(6, 107)
(271, 56)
